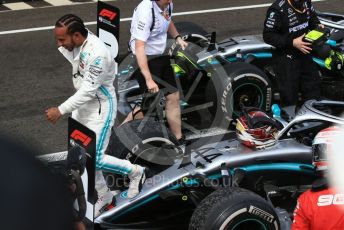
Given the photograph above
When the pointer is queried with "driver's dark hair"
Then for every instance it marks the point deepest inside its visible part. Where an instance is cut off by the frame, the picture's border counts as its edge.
(73, 24)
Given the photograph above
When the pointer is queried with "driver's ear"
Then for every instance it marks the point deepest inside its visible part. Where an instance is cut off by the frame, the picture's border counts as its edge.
(77, 36)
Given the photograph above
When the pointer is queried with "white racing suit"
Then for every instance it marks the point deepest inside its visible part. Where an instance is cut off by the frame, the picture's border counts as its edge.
(94, 103)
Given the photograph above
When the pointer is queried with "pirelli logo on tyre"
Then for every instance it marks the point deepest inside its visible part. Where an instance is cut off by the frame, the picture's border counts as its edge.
(261, 213)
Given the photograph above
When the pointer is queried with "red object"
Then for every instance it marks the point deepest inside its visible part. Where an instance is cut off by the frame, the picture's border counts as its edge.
(320, 210)
(111, 206)
(107, 13)
(78, 135)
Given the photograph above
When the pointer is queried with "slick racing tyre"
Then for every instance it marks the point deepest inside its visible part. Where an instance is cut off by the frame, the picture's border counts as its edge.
(244, 84)
(234, 209)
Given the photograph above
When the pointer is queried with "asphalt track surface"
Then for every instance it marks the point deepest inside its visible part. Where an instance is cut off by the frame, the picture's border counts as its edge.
(35, 76)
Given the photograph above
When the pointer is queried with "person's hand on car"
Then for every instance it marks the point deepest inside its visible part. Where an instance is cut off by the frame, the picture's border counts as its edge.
(321, 26)
(182, 43)
(301, 45)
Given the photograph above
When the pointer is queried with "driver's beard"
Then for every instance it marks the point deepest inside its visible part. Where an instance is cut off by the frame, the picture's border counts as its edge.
(72, 46)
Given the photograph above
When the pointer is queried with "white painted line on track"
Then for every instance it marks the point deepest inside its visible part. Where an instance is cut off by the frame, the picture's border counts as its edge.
(59, 2)
(18, 6)
(174, 14)
(26, 30)
(51, 157)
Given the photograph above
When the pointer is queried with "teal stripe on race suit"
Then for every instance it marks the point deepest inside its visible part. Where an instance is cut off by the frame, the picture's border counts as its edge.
(100, 164)
(114, 169)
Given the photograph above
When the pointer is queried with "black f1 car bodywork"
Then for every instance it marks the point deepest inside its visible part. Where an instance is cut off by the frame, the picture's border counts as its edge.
(216, 184)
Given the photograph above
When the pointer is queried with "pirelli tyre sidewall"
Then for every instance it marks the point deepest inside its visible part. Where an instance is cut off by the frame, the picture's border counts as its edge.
(235, 209)
(244, 83)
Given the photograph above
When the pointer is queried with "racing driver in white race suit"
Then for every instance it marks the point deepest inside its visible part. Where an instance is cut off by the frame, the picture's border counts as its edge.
(94, 103)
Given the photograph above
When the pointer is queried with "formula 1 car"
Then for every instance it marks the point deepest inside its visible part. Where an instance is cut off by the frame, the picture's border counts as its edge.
(217, 78)
(218, 183)
(207, 87)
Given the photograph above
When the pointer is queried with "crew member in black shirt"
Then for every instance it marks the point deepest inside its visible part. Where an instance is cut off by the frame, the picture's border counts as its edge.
(286, 23)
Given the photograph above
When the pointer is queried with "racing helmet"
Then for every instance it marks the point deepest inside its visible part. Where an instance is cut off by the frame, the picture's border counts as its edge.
(256, 129)
(323, 145)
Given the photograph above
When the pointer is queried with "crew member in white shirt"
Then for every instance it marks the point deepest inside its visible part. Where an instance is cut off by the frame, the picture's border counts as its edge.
(150, 24)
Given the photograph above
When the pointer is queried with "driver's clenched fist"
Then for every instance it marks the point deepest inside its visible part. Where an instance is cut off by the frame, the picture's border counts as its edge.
(53, 114)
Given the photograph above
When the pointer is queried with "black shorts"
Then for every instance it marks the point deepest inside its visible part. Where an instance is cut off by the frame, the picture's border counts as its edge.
(162, 73)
